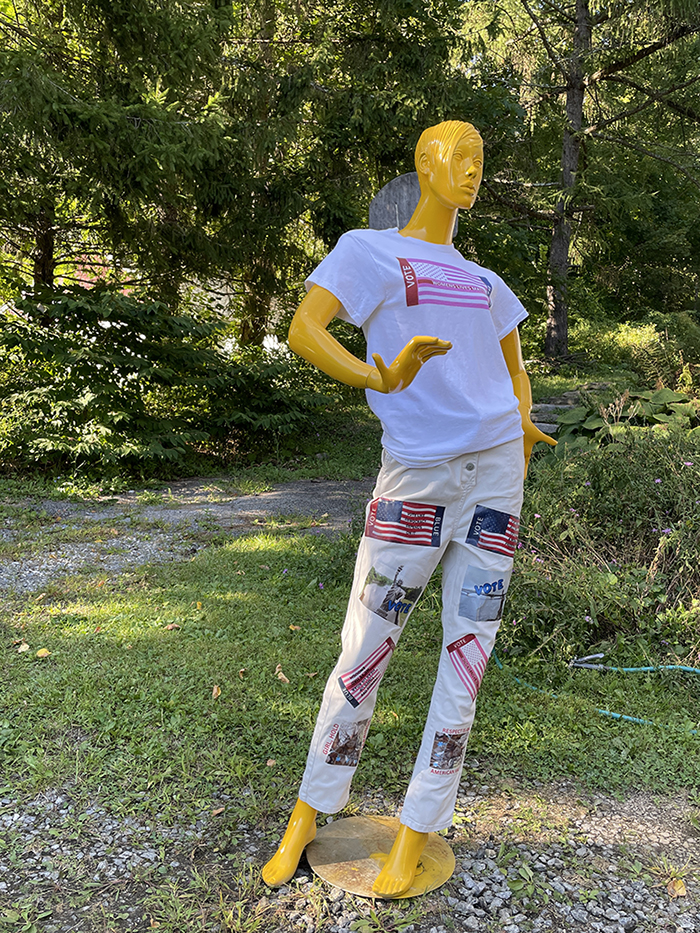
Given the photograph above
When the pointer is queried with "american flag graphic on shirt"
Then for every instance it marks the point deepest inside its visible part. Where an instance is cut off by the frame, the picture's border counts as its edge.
(358, 683)
(469, 660)
(428, 282)
(492, 530)
(405, 522)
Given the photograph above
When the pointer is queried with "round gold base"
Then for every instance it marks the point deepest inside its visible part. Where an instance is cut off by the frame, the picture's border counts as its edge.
(350, 854)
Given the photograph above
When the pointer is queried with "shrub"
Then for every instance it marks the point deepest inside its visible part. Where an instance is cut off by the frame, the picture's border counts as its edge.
(609, 546)
(654, 351)
(99, 377)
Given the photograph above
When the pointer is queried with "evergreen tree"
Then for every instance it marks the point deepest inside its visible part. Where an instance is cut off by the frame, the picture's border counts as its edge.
(609, 89)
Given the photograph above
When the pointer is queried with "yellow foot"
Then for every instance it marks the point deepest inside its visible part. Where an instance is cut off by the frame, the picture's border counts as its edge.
(301, 829)
(400, 868)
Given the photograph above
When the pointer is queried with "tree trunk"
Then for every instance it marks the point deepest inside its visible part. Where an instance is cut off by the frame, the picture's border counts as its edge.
(44, 257)
(557, 338)
(258, 278)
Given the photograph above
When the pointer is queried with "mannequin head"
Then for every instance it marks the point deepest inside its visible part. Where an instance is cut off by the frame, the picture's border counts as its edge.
(449, 163)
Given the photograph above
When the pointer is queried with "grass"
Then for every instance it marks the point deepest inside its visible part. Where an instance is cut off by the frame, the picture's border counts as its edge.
(125, 700)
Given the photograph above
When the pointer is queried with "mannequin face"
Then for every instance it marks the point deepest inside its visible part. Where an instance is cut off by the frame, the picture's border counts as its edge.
(455, 183)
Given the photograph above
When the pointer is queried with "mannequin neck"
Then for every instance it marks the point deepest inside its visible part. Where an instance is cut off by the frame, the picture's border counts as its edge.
(431, 221)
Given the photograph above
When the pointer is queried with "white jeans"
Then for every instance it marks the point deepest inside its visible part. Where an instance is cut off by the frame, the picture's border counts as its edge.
(465, 514)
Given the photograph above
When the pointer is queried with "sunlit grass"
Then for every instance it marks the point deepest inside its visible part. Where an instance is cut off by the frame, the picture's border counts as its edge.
(124, 703)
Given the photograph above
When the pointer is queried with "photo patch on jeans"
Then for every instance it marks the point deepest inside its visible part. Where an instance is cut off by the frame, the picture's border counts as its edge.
(469, 660)
(358, 683)
(389, 597)
(483, 594)
(345, 743)
(448, 751)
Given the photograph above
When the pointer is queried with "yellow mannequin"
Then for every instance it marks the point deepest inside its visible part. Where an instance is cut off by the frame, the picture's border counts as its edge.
(448, 181)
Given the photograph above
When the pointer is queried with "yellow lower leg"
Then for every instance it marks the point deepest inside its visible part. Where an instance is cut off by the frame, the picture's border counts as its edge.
(400, 868)
(301, 829)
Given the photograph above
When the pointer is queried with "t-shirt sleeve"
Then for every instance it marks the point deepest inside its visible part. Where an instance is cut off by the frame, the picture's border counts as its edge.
(507, 310)
(350, 273)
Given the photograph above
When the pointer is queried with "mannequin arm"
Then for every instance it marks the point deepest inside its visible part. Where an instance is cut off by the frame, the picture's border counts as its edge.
(309, 338)
(521, 387)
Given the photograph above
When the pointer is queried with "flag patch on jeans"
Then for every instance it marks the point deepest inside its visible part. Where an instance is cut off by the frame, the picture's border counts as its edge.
(358, 683)
(492, 530)
(469, 660)
(405, 522)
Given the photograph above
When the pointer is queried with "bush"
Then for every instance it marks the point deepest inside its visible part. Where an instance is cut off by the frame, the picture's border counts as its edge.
(609, 547)
(98, 377)
(654, 351)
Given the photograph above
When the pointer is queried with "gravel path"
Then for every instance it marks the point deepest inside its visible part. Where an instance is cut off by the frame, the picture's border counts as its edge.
(131, 529)
(586, 863)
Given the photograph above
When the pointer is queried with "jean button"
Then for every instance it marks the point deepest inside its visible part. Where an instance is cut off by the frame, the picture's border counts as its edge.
(470, 467)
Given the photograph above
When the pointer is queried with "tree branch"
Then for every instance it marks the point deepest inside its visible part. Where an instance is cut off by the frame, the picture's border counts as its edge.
(545, 41)
(678, 108)
(680, 32)
(648, 152)
(516, 206)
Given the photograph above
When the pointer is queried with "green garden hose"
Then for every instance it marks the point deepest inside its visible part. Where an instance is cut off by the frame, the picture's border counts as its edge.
(581, 662)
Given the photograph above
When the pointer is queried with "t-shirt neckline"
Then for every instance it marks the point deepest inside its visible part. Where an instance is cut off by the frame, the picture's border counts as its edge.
(448, 247)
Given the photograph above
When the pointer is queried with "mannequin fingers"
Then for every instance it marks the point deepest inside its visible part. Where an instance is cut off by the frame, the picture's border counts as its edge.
(422, 341)
(425, 353)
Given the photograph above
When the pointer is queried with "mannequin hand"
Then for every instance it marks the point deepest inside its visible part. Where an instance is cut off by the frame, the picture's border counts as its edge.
(532, 436)
(405, 367)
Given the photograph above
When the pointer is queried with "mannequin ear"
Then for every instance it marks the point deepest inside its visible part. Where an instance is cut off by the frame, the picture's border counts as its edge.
(424, 164)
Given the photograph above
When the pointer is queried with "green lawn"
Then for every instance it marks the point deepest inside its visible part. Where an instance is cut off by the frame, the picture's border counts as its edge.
(123, 705)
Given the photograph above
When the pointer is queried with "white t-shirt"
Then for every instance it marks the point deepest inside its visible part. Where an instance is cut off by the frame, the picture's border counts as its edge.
(396, 288)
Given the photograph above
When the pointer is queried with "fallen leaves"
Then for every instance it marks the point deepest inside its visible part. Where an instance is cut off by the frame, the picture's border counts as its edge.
(280, 674)
(23, 647)
(294, 628)
(218, 811)
(242, 672)
(199, 605)
(216, 692)
(312, 674)
(676, 887)
(43, 653)
(170, 626)
(271, 762)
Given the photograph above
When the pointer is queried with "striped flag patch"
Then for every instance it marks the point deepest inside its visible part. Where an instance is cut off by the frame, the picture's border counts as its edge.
(428, 282)
(405, 522)
(492, 530)
(469, 660)
(358, 683)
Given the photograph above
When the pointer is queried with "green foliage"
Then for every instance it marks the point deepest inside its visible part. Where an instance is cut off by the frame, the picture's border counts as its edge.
(592, 425)
(662, 348)
(608, 549)
(101, 378)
